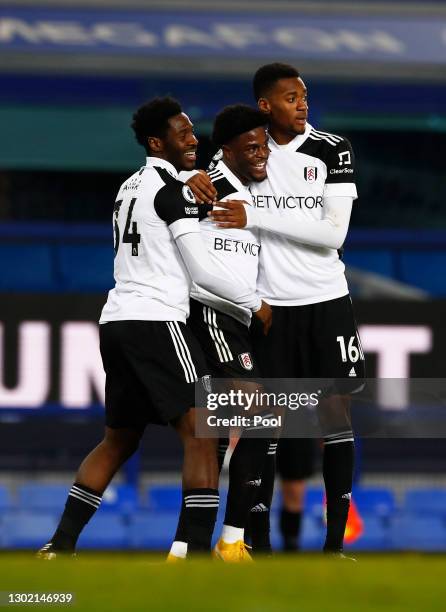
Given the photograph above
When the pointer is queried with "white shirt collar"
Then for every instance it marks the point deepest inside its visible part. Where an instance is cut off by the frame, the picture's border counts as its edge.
(232, 178)
(293, 144)
(162, 163)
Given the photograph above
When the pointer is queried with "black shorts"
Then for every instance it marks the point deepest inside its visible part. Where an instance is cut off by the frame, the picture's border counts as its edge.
(225, 342)
(151, 368)
(312, 341)
(296, 458)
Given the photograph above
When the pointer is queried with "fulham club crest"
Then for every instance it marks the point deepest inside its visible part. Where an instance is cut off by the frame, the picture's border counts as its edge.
(310, 174)
(246, 361)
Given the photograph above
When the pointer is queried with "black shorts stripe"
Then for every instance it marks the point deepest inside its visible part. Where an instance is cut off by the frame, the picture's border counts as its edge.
(182, 352)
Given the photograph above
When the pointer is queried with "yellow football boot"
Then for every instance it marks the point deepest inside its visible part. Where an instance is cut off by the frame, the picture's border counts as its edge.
(174, 559)
(232, 553)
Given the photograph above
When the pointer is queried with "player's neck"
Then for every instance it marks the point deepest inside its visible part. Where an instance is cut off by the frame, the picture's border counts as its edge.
(164, 158)
(280, 137)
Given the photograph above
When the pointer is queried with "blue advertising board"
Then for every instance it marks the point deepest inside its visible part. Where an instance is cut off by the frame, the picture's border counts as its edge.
(221, 35)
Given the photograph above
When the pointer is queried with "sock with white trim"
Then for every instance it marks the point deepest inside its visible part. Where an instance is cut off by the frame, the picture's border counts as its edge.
(230, 535)
(179, 549)
(199, 513)
(81, 504)
(337, 469)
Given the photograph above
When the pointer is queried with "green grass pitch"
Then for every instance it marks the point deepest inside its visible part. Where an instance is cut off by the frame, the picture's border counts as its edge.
(307, 583)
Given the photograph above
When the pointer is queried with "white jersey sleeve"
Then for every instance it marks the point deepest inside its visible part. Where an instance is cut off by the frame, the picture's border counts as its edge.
(329, 232)
(203, 272)
(176, 205)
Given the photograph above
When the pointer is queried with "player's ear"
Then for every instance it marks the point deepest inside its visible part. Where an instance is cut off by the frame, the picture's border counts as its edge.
(155, 144)
(264, 106)
(227, 152)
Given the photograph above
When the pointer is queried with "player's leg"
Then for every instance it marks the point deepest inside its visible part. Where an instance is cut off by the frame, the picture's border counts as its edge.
(246, 473)
(125, 423)
(276, 358)
(295, 462)
(227, 347)
(337, 468)
(340, 357)
(291, 512)
(176, 365)
(258, 525)
(222, 448)
(200, 490)
(92, 478)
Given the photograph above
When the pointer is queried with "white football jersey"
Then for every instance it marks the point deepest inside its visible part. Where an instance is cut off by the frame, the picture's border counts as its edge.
(235, 251)
(152, 208)
(301, 173)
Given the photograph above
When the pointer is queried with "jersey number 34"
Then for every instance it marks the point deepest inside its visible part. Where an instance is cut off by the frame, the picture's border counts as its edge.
(132, 237)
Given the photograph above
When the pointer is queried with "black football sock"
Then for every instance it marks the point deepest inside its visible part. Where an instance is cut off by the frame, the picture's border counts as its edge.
(338, 463)
(200, 508)
(290, 524)
(180, 535)
(81, 504)
(245, 478)
(223, 444)
(259, 517)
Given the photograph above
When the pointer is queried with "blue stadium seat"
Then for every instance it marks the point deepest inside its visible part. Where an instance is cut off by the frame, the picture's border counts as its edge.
(373, 500)
(5, 499)
(427, 533)
(153, 529)
(379, 261)
(312, 536)
(20, 275)
(42, 496)
(121, 497)
(164, 497)
(376, 535)
(26, 529)
(314, 502)
(105, 530)
(85, 267)
(426, 501)
(424, 270)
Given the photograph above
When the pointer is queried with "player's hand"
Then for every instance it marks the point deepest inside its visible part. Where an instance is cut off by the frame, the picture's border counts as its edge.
(233, 215)
(265, 315)
(202, 188)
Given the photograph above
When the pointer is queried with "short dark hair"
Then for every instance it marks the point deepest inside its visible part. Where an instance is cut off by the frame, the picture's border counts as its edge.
(235, 120)
(267, 76)
(151, 119)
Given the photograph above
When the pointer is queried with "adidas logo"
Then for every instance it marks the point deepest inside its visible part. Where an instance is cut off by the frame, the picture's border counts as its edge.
(259, 508)
(255, 483)
(346, 496)
(352, 372)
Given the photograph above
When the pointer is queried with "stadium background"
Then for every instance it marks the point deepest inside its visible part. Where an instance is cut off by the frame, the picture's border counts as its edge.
(71, 74)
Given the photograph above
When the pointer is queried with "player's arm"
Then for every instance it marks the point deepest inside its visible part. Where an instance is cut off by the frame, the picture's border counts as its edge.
(177, 207)
(205, 274)
(200, 184)
(329, 232)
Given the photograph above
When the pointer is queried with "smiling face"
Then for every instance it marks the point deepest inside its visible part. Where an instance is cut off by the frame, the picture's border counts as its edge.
(286, 104)
(180, 143)
(247, 154)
